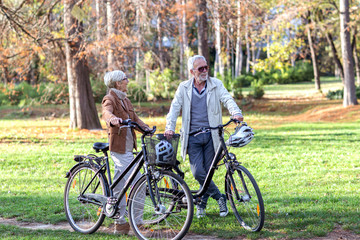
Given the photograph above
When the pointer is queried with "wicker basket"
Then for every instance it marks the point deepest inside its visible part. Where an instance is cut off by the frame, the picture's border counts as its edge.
(151, 143)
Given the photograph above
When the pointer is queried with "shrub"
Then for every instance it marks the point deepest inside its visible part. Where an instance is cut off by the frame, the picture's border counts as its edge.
(54, 93)
(136, 92)
(258, 89)
(339, 94)
(163, 84)
(302, 72)
(99, 89)
(25, 94)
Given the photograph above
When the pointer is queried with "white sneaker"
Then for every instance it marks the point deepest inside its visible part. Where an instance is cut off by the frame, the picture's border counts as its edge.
(200, 212)
(222, 206)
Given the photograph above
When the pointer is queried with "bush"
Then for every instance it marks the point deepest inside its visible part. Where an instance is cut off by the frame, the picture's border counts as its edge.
(258, 89)
(54, 93)
(302, 72)
(339, 94)
(25, 94)
(163, 84)
(136, 92)
(99, 89)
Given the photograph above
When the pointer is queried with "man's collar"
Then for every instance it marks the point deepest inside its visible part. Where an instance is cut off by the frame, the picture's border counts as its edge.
(202, 90)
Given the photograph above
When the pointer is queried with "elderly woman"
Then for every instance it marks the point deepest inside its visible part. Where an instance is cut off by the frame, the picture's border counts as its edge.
(116, 107)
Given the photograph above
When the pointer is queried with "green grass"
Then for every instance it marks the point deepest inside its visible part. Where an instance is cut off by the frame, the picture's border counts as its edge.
(309, 175)
(300, 89)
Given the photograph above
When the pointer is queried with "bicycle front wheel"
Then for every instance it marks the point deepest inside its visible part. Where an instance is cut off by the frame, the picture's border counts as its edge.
(168, 215)
(245, 199)
(84, 216)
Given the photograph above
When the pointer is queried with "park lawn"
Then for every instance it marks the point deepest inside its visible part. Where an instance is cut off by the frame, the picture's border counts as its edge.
(309, 175)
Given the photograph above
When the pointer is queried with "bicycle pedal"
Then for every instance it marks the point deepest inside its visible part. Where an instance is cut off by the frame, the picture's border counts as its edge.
(116, 216)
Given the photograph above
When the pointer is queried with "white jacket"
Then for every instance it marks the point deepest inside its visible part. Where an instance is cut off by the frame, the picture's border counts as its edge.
(216, 94)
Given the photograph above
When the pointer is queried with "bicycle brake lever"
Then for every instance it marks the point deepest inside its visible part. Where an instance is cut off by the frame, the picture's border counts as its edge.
(202, 131)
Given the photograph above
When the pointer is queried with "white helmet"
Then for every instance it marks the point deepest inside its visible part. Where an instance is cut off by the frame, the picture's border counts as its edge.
(164, 153)
(242, 136)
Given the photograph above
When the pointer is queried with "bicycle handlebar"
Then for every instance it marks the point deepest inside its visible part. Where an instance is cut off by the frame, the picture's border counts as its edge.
(132, 124)
(207, 129)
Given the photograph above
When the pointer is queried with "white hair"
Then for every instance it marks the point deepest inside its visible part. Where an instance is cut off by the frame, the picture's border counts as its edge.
(193, 59)
(115, 76)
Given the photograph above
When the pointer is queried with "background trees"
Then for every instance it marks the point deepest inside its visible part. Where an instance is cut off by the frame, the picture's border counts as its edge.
(244, 41)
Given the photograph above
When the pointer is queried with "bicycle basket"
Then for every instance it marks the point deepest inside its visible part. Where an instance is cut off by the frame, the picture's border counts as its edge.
(162, 151)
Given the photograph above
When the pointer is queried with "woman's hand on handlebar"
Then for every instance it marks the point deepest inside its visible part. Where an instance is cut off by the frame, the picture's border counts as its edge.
(115, 121)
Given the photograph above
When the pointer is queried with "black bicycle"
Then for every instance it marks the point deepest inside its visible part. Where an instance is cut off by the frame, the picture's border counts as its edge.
(241, 188)
(160, 204)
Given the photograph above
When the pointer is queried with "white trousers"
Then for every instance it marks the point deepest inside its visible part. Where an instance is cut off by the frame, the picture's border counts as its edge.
(121, 161)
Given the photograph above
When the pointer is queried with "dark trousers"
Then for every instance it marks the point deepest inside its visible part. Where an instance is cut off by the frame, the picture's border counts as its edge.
(201, 153)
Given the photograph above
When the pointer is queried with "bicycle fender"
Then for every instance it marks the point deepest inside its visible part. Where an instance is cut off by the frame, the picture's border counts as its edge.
(68, 174)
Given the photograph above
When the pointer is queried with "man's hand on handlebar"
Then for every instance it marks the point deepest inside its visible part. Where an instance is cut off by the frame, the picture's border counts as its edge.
(169, 133)
(238, 118)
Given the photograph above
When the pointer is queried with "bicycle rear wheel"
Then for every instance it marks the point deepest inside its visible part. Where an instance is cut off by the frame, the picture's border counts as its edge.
(245, 199)
(172, 216)
(84, 216)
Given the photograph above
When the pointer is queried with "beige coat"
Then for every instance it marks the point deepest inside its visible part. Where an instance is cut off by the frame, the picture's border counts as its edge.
(216, 94)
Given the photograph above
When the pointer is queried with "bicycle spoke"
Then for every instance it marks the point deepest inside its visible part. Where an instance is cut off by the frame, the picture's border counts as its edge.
(245, 199)
(83, 216)
(170, 219)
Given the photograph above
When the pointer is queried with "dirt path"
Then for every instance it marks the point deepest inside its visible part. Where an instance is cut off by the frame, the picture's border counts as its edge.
(337, 234)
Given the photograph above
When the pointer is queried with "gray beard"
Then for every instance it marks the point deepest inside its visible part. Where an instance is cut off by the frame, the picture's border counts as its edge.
(203, 79)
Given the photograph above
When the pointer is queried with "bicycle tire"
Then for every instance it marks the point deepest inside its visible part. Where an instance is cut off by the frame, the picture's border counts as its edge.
(247, 203)
(83, 216)
(177, 208)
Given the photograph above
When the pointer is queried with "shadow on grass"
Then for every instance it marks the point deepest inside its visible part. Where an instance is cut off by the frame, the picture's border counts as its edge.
(286, 217)
(13, 232)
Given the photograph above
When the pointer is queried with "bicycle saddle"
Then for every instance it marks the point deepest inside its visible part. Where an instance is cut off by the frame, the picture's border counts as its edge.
(98, 146)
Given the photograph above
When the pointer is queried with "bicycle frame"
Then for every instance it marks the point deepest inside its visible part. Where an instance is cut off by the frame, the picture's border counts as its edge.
(140, 162)
(220, 154)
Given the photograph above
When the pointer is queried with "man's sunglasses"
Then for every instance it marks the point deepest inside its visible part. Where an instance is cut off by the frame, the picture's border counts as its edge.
(203, 69)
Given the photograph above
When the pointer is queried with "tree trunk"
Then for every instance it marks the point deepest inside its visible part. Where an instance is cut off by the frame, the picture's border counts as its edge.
(253, 50)
(83, 113)
(138, 42)
(313, 58)
(248, 55)
(110, 34)
(239, 53)
(336, 58)
(32, 75)
(184, 41)
(5, 73)
(203, 47)
(349, 78)
(228, 46)
(218, 61)
(159, 39)
(357, 68)
(356, 59)
(98, 16)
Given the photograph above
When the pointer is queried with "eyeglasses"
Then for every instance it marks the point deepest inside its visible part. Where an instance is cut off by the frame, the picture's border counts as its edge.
(203, 69)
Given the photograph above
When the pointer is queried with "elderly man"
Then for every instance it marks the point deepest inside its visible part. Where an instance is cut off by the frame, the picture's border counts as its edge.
(200, 99)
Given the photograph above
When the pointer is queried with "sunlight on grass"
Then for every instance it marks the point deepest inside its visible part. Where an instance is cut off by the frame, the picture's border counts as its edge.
(308, 173)
(308, 184)
(299, 89)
